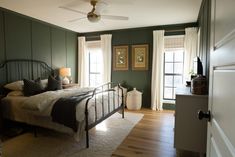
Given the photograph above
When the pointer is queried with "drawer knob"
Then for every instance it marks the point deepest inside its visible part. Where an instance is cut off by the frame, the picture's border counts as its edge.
(201, 115)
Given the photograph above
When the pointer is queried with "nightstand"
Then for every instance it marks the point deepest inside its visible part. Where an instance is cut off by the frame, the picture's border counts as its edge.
(71, 85)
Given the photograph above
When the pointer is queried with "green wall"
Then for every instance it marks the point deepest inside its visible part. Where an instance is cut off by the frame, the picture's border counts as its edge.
(139, 79)
(22, 37)
(204, 25)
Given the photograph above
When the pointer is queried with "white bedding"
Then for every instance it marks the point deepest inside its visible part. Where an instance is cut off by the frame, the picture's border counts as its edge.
(36, 109)
(42, 104)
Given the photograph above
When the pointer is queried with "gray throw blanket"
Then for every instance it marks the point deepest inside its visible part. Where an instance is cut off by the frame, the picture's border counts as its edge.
(64, 110)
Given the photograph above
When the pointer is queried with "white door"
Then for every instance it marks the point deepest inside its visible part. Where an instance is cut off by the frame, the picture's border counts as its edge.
(221, 128)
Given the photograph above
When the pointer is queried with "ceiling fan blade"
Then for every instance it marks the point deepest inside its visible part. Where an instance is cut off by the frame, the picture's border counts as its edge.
(70, 9)
(100, 7)
(77, 19)
(113, 17)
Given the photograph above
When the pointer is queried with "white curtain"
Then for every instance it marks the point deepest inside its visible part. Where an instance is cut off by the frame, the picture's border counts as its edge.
(106, 47)
(190, 44)
(157, 70)
(82, 62)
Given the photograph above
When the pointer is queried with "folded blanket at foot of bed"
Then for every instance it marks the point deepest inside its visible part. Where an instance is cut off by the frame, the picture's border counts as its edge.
(64, 110)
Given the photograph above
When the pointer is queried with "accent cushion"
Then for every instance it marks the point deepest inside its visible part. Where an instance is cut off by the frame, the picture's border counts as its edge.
(54, 83)
(32, 87)
(44, 83)
(15, 86)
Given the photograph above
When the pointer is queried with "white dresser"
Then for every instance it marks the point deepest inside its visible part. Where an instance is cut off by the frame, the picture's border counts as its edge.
(190, 133)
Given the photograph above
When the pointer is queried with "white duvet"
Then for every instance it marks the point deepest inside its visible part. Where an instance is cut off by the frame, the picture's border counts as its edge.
(42, 104)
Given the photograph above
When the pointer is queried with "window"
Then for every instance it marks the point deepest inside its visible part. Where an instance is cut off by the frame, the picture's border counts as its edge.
(95, 64)
(173, 66)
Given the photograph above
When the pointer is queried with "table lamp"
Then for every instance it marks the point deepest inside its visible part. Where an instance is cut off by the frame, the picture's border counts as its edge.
(65, 73)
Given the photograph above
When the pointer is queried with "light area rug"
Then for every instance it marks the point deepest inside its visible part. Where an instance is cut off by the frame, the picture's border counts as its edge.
(104, 139)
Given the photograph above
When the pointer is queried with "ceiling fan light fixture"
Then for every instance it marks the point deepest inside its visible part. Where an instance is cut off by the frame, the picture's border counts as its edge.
(92, 17)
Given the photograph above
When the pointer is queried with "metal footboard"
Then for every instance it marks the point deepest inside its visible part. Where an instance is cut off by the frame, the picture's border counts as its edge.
(108, 88)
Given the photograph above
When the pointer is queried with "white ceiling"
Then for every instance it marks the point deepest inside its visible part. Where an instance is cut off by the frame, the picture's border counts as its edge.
(141, 13)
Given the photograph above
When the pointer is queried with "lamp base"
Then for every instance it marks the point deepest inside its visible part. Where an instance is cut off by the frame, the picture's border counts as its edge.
(65, 80)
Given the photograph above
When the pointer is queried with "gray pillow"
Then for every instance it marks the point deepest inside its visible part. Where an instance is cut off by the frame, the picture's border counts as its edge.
(54, 83)
(32, 87)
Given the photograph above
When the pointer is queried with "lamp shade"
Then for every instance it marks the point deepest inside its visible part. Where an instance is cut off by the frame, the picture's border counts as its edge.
(65, 72)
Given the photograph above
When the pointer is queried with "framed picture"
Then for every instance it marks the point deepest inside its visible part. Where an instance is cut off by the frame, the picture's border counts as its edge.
(140, 57)
(120, 58)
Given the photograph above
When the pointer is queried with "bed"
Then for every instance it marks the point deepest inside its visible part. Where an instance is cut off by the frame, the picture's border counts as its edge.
(93, 105)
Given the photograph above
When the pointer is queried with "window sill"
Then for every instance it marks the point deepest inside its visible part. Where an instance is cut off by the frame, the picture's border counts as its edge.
(168, 101)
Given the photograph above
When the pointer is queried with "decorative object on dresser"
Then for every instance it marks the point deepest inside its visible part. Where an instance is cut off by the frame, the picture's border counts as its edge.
(199, 85)
(120, 58)
(140, 56)
(65, 73)
(190, 133)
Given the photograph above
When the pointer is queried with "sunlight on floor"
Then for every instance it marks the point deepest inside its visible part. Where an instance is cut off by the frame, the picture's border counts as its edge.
(102, 126)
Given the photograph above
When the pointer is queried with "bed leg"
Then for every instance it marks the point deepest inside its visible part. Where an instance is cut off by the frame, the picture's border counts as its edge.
(87, 127)
(87, 139)
(123, 105)
(123, 111)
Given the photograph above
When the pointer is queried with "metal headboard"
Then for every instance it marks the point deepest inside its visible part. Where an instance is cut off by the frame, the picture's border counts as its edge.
(18, 69)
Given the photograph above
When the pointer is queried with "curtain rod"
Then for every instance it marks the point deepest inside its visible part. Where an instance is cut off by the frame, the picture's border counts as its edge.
(175, 30)
(166, 31)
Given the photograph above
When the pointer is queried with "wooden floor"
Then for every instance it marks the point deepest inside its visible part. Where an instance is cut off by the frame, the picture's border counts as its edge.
(153, 136)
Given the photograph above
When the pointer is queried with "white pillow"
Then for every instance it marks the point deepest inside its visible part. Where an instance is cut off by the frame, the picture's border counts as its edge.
(15, 93)
(44, 83)
(17, 85)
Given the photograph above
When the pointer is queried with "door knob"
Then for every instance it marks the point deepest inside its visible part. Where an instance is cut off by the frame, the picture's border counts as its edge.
(201, 115)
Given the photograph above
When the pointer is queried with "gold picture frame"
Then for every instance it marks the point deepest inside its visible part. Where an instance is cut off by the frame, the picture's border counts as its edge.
(140, 55)
(120, 58)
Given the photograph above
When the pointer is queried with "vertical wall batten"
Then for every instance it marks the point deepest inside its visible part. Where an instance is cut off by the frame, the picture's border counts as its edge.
(4, 42)
(66, 49)
(4, 34)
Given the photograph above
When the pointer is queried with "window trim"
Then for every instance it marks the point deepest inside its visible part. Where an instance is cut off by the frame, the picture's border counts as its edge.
(172, 74)
(89, 71)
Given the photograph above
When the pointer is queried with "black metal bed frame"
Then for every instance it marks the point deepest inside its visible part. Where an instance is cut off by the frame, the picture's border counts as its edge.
(32, 69)
(105, 88)
(25, 68)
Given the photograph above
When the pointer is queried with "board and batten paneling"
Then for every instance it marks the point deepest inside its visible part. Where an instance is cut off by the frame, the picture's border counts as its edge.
(2, 48)
(58, 48)
(140, 79)
(204, 41)
(71, 40)
(23, 37)
(18, 43)
(17, 37)
(41, 42)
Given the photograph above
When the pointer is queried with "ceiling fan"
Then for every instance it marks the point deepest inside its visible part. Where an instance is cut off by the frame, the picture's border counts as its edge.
(94, 15)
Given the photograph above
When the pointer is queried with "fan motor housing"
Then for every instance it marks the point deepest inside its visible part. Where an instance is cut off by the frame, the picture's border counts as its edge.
(92, 17)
